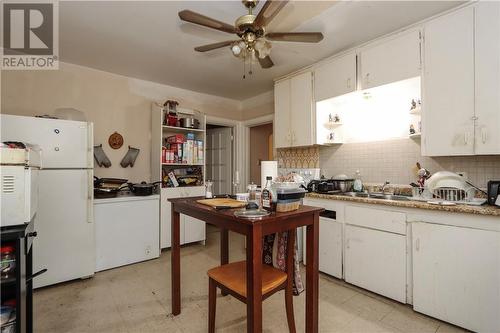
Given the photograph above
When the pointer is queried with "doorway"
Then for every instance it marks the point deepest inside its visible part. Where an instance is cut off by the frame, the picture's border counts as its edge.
(219, 158)
(261, 149)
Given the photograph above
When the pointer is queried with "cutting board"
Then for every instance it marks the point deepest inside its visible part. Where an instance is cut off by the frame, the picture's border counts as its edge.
(222, 202)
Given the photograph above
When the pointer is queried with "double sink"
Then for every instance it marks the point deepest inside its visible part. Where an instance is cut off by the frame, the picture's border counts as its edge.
(381, 196)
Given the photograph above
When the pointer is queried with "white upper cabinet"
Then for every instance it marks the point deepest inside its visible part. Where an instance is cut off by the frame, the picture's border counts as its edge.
(487, 68)
(282, 114)
(293, 112)
(448, 85)
(301, 115)
(336, 77)
(390, 60)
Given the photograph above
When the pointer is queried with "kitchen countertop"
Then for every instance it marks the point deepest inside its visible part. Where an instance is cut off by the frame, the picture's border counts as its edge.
(126, 196)
(478, 210)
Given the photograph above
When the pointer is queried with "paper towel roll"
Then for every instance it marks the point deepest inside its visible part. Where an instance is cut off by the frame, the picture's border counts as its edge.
(268, 168)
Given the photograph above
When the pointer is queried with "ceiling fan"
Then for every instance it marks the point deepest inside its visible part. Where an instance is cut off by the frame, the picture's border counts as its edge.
(253, 39)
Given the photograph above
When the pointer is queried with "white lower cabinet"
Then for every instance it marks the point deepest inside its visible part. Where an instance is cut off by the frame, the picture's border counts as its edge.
(165, 212)
(192, 230)
(126, 230)
(376, 260)
(330, 246)
(456, 275)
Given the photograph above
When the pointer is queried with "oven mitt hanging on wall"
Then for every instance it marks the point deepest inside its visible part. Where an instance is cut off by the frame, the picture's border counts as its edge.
(100, 157)
(130, 157)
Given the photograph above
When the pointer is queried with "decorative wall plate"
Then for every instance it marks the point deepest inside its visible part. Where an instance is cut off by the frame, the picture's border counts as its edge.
(115, 140)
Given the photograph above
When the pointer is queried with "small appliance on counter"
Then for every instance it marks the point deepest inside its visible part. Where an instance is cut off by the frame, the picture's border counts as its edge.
(20, 164)
(108, 187)
(335, 185)
(312, 186)
(343, 183)
(143, 189)
(494, 192)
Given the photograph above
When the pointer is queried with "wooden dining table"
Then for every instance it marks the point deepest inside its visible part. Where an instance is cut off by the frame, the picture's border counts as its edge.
(254, 230)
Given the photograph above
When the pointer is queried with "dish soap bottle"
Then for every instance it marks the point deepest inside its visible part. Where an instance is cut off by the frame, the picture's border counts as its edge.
(267, 195)
(358, 184)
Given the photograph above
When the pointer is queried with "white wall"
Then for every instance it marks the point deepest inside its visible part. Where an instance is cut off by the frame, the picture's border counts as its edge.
(112, 102)
(258, 106)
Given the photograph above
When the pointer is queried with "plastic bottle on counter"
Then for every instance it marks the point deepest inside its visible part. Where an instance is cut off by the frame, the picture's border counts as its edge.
(358, 183)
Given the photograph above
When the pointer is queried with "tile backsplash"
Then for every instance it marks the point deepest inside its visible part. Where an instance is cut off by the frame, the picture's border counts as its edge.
(395, 161)
(298, 158)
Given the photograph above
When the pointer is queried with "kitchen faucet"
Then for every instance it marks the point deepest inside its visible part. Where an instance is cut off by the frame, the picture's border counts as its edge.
(385, 185)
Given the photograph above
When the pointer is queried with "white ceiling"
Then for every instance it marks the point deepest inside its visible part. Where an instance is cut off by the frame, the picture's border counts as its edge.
(146, 40)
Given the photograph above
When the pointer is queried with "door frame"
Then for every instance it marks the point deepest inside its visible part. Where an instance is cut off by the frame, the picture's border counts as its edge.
(237, 158)
(241, 142)
(262, 120)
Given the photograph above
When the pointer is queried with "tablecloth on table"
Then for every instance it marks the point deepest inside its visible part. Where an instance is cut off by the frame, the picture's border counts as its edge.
(274, 253)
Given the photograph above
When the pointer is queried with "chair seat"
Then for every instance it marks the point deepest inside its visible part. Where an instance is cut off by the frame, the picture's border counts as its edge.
(233, 276)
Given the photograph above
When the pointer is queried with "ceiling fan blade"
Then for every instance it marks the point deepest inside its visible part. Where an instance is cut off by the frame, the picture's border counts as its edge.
(301, 37)
(268, 12)
(265, 62)
(209, 47)
(190, 16)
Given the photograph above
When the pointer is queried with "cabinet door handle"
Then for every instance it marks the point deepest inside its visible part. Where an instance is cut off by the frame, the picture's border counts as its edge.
(367, 78)
(466, 138)
(417, 244)
(349, 83)
(484, 135)
(348, 244)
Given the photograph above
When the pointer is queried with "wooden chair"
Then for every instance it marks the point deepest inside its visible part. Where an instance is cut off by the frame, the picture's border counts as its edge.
(231, 279)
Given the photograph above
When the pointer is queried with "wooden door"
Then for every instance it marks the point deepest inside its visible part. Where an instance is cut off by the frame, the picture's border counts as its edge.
(219, 152)
(448, 85)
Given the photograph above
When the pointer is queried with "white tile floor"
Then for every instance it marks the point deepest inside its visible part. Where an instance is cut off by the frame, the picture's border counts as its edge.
(136, 298)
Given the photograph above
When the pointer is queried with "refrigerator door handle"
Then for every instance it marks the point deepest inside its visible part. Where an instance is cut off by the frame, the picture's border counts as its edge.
(90, 196)
(90, 147)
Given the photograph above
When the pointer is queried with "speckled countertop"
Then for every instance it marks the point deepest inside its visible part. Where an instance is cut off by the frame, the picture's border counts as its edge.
(466, 209)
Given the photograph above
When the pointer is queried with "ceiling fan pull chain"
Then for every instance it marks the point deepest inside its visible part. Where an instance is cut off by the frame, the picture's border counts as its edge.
(244, 66)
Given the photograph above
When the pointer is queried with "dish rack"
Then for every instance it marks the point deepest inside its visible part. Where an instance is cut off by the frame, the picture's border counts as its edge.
(449, 195)
(453, 194)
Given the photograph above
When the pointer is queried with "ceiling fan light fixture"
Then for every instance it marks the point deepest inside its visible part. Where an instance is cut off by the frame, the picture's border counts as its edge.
(254, 40)
(263, 48)
(236, 49)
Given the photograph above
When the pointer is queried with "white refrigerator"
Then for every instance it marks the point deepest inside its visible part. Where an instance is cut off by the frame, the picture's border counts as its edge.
(65, 244)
